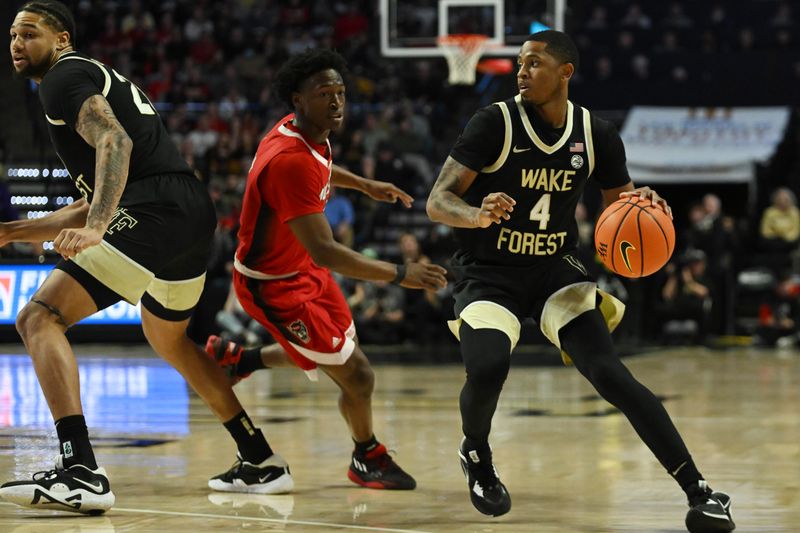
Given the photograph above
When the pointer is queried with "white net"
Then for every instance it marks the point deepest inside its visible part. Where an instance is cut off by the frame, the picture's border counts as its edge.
(462, 51)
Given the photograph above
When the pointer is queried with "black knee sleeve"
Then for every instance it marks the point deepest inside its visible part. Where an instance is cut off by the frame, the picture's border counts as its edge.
(487, 359)
(486, 354)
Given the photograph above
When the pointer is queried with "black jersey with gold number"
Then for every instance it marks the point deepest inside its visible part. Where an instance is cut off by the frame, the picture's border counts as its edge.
(66, 86)
(543, 169)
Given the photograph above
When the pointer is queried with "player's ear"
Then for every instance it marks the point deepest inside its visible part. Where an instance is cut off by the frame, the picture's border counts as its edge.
(567, 70)
(62, 40)
(296, 100)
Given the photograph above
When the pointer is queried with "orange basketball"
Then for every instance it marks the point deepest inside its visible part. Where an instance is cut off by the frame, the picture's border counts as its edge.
(634, 238)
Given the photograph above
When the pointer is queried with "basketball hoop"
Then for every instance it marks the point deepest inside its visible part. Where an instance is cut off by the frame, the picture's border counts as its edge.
(462, 51)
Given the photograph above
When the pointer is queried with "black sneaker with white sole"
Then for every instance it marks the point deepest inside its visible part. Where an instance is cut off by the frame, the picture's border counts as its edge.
(77, 489)
(269, 477)
(486, 491)
(710, 511)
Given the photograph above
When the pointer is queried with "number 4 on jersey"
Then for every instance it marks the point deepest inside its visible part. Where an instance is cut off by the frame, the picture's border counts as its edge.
(541, 211)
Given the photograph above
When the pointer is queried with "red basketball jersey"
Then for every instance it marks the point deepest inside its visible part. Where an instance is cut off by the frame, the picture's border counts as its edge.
(290, 177)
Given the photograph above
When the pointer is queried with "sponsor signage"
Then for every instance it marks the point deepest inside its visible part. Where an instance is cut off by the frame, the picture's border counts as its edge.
(18, 283)
(681, 144)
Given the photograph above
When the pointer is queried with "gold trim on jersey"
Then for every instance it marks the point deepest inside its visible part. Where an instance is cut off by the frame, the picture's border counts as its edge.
(483, 314)
(587, 133)
(102, 67)
(506, 140)
(535, 138)
(106, 85)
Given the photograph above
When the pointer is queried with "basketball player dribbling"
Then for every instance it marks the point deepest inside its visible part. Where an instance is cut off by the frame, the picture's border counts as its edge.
(510, 188)
(141, 231)
(286, 253)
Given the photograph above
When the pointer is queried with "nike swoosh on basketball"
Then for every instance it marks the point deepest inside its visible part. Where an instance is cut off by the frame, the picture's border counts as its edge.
(97, 486)
(624, 248)
(518, 150)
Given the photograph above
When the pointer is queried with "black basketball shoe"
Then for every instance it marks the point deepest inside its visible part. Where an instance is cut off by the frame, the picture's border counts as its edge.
(377, 470)
(77, 489)
(269, 477)
(227, 354)
(710, 511)
(486, 491)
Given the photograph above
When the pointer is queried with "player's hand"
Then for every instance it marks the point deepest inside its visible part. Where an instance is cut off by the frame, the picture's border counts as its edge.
(424, 276)
(386, 192)
(495, 208)
(72, 241)
(646, 193)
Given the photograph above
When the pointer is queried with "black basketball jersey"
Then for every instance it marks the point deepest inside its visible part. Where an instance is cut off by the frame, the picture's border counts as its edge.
(63, 90)
(542, 169)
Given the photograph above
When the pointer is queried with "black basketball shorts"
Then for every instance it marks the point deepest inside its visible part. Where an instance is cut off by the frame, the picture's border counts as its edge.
(553, 291)
(155, 249)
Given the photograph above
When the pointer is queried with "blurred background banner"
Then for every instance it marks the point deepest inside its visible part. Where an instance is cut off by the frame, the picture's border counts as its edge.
(674, 144)
(18, 283)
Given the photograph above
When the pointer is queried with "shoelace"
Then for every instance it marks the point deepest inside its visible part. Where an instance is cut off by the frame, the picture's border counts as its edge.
(237, 465)
(484, 472)
(381, 462)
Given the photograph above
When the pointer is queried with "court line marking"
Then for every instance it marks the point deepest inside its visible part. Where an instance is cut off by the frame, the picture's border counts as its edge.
(273, 520)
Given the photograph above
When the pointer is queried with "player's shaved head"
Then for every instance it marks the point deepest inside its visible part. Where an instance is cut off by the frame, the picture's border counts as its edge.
(301, 67)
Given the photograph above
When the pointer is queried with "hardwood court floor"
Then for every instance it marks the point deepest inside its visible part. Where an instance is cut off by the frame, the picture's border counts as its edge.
(570, 462)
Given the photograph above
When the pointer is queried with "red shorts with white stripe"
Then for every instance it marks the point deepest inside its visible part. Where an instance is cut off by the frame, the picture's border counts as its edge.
(306, 313)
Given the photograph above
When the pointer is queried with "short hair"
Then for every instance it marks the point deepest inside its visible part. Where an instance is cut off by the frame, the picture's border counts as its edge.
(301, 67)
(785, 190)
(54, 14)
(559, 45)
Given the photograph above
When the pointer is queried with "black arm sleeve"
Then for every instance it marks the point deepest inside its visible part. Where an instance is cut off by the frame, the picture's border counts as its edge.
(482, 139)
(66, 87)
(610, 169)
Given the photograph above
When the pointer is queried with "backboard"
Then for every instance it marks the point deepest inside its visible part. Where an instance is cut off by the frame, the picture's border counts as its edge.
(410, 28)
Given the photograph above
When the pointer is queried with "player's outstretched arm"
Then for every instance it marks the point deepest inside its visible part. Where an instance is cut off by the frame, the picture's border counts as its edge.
(381, 191)
(446, 206)
(45, 228)
(314, 233)
(100, 128)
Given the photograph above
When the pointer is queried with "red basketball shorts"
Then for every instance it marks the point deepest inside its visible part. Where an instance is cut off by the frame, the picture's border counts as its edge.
(306, 313)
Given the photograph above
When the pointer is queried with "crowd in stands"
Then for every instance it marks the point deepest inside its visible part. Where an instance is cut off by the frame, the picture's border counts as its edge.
(208, 65)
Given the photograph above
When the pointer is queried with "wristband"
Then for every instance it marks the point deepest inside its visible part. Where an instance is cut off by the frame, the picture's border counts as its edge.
(401, 275)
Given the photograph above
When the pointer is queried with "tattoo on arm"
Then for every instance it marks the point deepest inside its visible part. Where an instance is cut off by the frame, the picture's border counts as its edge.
(100, 128)
(445, 201)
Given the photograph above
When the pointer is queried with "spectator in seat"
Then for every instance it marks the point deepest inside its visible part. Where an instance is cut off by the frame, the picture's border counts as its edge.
(423, 309)
(378, 309)
(685, 295)
(780, 223)
(341, 216)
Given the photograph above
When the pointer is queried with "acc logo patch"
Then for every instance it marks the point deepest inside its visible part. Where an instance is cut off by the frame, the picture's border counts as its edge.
(299, 330)
(576, 161)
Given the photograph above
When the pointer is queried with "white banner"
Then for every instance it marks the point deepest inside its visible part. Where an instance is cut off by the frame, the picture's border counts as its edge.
(678, 144)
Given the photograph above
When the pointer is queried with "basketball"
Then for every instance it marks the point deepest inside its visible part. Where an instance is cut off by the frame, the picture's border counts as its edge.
(634, 238)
